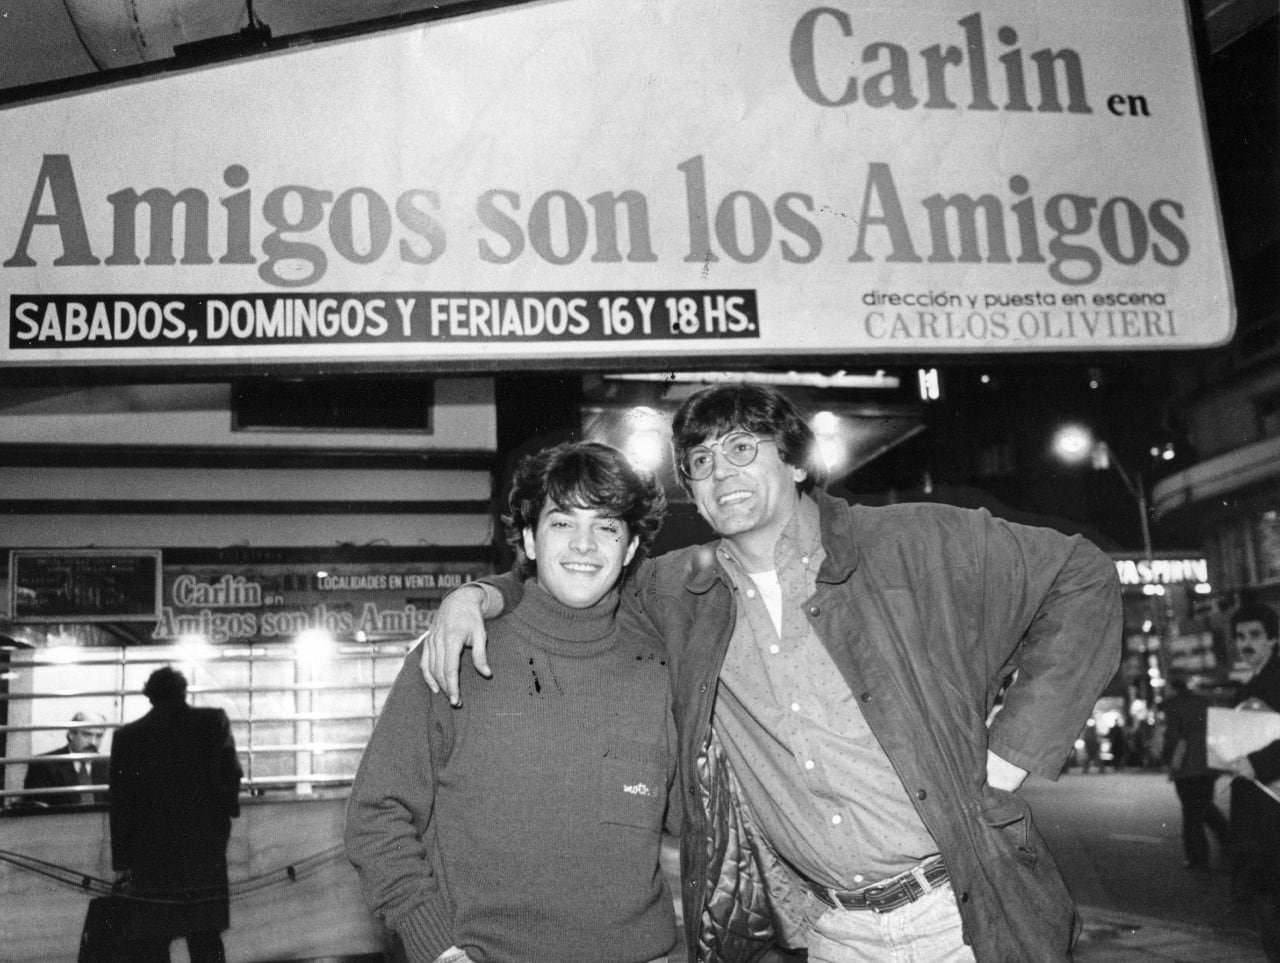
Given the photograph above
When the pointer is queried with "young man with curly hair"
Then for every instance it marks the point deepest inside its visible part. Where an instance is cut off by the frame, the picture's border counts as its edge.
(525, 825)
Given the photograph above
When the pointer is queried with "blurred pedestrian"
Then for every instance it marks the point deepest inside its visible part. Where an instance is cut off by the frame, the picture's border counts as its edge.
(175, 784)
(1137, 743)
(60, 770)
(1186, 715)
(1092, 748)
(1255, 807)
(1119, 740)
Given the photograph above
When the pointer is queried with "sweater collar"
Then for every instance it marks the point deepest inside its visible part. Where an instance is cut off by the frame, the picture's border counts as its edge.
(565, 630)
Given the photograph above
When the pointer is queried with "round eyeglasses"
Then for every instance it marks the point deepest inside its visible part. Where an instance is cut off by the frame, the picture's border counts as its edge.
(739, 448)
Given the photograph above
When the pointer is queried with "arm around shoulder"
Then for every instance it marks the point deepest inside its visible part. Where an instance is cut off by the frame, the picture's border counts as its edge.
(459, 625)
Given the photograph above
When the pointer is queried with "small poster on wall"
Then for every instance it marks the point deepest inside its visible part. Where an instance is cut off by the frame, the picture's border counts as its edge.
(358, 602)
(84, 585)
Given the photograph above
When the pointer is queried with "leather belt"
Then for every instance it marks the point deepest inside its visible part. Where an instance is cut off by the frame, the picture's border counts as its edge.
(888, 894)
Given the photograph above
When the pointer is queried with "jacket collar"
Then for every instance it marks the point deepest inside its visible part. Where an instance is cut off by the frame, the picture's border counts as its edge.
(841, 559)
(837, 539)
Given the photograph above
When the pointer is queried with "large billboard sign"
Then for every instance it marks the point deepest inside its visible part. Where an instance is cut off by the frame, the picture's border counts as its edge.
(625, 182)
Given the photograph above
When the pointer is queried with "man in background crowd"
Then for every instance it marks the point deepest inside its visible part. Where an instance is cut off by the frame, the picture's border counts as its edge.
(55, 770)
(1255, 807)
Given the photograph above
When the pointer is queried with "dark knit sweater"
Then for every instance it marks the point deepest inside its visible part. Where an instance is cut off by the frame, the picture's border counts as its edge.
(526, 825)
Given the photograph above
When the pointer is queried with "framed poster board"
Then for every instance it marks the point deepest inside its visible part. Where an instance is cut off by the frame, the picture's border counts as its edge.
(84, 585)
(902, 178)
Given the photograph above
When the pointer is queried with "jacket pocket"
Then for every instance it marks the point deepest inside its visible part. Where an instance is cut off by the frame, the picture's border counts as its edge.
(1008, 814)
(633, 783)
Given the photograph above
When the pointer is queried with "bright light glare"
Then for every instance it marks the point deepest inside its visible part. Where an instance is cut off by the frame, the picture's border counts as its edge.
(825, 423)
(1073, 443)
(1153, 590)
(63, 649)
(832, 452)
(646, 440)
(1147, 626)
(1203, 588)
(645, 450)
(196, 648)
(832, 448)
(313, 645)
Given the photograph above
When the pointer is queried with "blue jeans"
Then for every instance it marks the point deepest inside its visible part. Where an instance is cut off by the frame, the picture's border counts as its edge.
(926, 931)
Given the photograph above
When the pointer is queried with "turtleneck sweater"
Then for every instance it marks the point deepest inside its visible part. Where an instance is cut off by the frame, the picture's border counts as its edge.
(525, 825)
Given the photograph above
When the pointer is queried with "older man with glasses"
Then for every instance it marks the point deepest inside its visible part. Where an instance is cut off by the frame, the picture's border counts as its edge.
(834, 668)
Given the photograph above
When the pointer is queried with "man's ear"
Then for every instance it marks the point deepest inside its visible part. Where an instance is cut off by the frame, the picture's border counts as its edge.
(530, 544)
(631, 550)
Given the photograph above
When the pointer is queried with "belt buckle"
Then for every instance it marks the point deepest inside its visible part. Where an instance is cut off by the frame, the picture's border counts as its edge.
(905, 888)
(885, 896)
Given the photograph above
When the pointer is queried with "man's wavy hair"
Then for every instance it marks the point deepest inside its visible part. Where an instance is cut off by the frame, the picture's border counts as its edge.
(716, 411)
(583, 474)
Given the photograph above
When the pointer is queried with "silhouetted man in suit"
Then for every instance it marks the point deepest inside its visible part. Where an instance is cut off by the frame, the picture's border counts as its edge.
(175, 783)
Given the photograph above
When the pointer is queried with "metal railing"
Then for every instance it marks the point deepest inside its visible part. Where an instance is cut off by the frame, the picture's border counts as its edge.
(300, 721)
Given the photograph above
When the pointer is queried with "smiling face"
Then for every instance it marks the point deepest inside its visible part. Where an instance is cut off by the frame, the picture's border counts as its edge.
(1253, 645)
(748, 504)
(580, 553)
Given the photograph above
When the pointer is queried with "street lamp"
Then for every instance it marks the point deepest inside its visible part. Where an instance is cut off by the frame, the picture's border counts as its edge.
(1076, 444)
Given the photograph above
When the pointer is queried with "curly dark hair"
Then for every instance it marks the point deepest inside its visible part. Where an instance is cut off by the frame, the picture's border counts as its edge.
(583, 474)
(761, 410)
(166, 686)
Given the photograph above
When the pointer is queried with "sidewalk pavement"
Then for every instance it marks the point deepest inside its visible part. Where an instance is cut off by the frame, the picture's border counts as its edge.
(1111, 937)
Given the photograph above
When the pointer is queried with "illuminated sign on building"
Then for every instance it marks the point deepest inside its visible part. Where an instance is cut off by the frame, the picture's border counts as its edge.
(1162, 571)
(278, 602)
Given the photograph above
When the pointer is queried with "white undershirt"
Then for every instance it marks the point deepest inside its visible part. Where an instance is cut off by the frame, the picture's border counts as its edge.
(770, 594)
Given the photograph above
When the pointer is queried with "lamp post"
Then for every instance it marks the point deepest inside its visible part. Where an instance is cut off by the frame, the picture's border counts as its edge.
(1075, 444)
